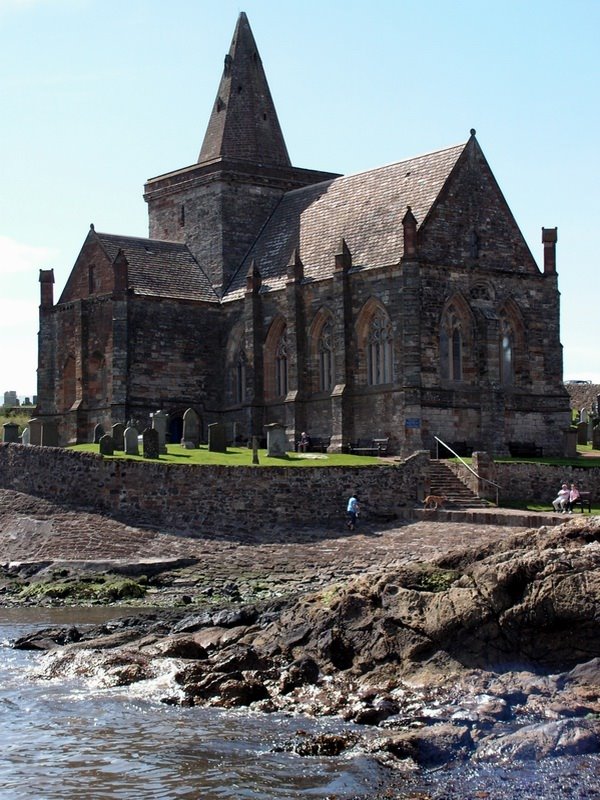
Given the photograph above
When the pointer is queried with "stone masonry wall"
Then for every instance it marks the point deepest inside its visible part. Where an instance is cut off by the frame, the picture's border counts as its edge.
(207, 500)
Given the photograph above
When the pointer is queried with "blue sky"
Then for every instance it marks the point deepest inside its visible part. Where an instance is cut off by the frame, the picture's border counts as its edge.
(98, 95)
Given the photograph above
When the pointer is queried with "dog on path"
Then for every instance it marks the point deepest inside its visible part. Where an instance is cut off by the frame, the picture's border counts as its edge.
(434, 501)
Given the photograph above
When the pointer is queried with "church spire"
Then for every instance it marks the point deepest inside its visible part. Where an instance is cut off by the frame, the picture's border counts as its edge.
(243, 124)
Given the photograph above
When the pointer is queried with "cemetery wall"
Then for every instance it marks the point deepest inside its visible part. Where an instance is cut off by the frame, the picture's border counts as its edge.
(210, 499)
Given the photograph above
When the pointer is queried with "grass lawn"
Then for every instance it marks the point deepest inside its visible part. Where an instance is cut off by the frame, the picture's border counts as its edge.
(242, 456)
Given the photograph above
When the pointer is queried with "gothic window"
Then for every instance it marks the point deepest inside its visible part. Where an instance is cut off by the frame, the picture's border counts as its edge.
(239, 378)
(326, 357)
(506, 353)
(451, 347)
(379, 350)
(281, 366)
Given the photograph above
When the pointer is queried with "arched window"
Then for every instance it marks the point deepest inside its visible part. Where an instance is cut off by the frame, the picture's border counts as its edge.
(326, 357)
(281, 366)
(506, 352)
(239, 377)
(451, 346)
(379, 350)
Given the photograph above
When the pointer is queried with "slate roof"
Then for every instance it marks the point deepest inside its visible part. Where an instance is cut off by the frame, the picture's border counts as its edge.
(160, 269)
(243, 124)
(366, 209)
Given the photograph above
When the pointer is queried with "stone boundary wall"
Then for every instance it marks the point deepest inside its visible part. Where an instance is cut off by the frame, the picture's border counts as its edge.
(209, 499)
(541, 482)
(527, 481)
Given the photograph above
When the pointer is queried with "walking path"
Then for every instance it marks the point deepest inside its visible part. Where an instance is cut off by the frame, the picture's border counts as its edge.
(277, 562)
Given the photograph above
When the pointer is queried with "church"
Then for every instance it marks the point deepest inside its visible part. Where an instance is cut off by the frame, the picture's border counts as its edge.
(402, 302)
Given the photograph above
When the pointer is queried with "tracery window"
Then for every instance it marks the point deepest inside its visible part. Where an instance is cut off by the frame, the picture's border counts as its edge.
(506, 352)
(281, 366)
(451, 347)
(239, 377)
(379, 350)
(326, 357)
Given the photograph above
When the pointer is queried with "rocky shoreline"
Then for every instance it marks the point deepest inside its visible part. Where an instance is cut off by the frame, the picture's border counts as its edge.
(488, 652)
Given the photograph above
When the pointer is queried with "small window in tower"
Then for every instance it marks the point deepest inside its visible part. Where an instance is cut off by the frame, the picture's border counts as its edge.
(239, 89)
(264, 117)
(181, 216)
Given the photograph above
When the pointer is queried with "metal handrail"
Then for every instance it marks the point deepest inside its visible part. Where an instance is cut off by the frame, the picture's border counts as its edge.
(464, 463)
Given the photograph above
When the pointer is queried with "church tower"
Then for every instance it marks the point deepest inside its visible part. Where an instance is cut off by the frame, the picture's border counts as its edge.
(219, 205)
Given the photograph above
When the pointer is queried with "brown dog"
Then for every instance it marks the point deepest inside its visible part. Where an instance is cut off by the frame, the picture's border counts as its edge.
(434, 501)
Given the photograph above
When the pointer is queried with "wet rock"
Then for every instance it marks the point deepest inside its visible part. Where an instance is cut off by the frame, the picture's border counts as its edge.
(47, 639)
(563, 737)
(437, 744)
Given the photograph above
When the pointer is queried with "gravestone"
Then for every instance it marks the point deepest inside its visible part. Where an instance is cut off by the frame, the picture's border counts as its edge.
(106, 445)
(190, 437)
(582, 433)
(596, 438)
(131, 441)
(255, 450)
(150, 443)
(10, 433)
(217, 438)
(583, 415)
(35, 431)
(49, 434)
(118, 434)
(160, 420)
(25, 436)
(276, 440)
(98, 433)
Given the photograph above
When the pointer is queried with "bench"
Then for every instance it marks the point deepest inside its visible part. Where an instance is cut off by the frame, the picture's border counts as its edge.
(525, 450)
(369, 447)
(317, 444)
(584, 501)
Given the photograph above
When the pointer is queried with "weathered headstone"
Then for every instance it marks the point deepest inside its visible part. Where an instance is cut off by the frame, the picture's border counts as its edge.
(106, 445)
(255, 450)
(10, 432)
(98, 433)
(25, 436)
(118, 434)
(596, 438)
(583, 415)
(160, 420)
(190, 437)
(276, 440)
(582, 433)
(150, 443)
(35, 431)
(49, 434)
(217, 438)
(131, 441)
(570, 443)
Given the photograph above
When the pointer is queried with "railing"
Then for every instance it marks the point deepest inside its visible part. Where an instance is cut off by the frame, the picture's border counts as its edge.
(464, 463)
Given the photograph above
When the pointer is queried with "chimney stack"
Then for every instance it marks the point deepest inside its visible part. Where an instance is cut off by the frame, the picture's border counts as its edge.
(549, 239)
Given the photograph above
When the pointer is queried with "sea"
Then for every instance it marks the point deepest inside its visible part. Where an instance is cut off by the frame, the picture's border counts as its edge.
(69, 739)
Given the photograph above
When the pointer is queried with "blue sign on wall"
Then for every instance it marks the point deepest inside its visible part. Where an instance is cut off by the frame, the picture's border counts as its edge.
(412, 422)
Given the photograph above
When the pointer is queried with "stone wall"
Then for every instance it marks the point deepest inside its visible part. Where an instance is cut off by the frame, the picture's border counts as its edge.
(207, 500)
(526, 481)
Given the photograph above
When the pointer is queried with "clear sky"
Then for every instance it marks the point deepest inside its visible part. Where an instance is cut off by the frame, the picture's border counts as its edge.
(99, 95)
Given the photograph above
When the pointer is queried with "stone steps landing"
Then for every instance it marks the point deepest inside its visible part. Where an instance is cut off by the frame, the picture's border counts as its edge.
(443, 481)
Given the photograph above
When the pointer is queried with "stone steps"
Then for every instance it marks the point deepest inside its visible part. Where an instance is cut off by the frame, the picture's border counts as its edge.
(443, 481)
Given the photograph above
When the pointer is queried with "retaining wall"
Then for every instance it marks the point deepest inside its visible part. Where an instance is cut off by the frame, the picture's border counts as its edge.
(210, 499)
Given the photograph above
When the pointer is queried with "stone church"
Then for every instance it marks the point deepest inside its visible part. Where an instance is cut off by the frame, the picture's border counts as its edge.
(399, 302)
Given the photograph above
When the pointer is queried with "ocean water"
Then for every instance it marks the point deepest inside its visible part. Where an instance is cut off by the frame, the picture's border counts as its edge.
(68, 739)
(65, 739)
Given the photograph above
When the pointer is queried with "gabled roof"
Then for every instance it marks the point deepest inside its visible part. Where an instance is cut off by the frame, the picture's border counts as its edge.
(365, 209)
(160, 269)
(243, 124)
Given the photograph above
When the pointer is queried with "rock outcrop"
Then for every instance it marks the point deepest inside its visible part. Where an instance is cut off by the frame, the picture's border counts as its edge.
(491, 652)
